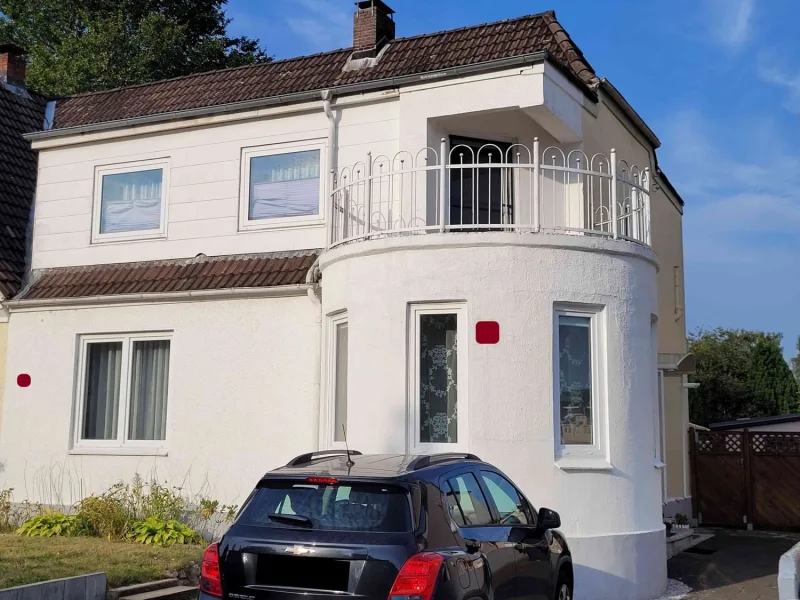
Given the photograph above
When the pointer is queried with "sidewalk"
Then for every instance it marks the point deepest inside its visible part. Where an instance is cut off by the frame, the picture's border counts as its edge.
(733, 565)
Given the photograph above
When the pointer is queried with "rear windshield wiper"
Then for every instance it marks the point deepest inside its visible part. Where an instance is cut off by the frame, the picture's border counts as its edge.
(299, 520)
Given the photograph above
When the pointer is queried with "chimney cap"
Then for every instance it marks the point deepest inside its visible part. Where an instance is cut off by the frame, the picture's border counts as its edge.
(363, 4)
(9, 48)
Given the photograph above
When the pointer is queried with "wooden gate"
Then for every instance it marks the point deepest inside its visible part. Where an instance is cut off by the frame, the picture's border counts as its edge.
(742, 477)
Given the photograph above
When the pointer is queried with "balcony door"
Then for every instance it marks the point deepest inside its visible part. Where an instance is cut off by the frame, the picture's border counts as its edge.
(479, 195)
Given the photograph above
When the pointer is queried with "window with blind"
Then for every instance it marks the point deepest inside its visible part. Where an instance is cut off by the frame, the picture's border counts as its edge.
(130, 201)
(123, 391)
(281, 186)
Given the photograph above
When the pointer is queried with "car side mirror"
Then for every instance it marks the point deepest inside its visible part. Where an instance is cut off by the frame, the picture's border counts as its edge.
(549, 519)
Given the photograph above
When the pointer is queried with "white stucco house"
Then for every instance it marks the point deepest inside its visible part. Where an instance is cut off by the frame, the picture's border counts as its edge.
(454, 242)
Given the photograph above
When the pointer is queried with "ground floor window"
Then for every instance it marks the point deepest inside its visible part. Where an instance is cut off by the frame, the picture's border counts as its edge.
(122, 390)
(338, 343)
(438, 360)
(578, 362)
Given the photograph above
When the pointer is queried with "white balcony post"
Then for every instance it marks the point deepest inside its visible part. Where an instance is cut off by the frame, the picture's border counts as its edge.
(537, 171)
(614, 224)
(442, 184)
(368, 215)
(332, 208)
(646, 219)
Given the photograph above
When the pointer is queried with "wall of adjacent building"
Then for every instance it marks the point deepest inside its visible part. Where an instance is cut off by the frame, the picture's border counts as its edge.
(3, 358)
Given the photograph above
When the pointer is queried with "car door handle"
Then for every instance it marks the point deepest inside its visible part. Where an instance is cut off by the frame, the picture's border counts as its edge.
(520, 547)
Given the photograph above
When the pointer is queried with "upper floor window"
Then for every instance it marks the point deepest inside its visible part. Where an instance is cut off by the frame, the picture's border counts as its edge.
(282, 185)
(130, 201)
(579, 368)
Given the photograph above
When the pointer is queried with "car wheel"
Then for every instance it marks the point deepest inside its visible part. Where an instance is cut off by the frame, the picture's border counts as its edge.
(564, 587)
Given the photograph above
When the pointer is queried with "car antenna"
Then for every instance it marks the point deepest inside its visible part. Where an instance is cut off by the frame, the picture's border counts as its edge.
(349, 462)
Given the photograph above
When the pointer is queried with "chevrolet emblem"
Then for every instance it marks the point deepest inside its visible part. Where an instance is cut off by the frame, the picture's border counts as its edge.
(299, 550)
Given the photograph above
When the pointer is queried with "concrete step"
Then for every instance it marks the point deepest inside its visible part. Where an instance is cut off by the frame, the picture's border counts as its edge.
(177, 592)
(140, 588)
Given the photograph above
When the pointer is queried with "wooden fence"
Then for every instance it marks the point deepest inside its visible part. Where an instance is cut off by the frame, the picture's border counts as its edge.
(743, 478)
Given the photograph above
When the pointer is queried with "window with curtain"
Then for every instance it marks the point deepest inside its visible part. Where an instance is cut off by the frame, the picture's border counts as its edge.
(284, 185)
(438, 378)
(340, 381)
(124, 390)
(131, 202)
(575, 379)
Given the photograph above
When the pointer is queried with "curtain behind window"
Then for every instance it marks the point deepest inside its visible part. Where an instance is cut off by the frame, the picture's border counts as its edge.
(149, 376)
(101, 400)
(438, 377)
(131, 201)
(284, 185)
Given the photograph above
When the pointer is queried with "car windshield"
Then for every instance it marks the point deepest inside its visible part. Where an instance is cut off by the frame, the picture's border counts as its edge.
(343, 507)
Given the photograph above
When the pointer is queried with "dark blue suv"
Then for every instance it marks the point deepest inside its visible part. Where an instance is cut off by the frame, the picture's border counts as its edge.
(383, 527)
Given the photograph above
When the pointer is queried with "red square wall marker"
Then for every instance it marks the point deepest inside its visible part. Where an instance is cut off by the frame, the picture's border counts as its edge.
(487, 332)
(23, 380)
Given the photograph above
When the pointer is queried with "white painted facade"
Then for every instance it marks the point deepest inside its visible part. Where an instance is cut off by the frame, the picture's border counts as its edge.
(250, 381)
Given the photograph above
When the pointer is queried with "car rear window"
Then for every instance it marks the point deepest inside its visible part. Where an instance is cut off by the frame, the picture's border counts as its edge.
(342, 507)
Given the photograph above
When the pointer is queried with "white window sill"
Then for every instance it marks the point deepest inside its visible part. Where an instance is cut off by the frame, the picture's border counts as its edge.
(99, 239)
(118, 451)
(266, 225)
(583, 463)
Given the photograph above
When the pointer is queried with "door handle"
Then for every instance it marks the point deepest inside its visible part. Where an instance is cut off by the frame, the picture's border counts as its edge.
(472, 545)
(519, 547)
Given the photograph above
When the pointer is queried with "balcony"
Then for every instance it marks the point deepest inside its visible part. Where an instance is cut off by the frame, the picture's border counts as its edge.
(490, 187)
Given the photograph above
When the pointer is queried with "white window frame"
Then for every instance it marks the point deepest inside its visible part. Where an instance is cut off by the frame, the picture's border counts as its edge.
(248, 224)
(119, 169)
(122, 445)
(584, 456)
(416, 310)
(329, 415)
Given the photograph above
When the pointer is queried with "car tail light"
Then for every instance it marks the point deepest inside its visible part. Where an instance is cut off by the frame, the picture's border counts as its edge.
(323, 480)
(417, 579)
(209, 573)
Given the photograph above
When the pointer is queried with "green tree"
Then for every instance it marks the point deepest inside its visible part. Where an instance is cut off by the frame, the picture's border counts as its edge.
(89, 45)
(741, 374)
(796, 362)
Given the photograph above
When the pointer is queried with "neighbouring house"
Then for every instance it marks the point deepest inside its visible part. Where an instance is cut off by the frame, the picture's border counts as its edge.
(454, 242)
(21, 112)
(777, 424)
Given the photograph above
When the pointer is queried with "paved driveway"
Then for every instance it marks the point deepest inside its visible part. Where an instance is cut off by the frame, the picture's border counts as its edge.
(738, 565)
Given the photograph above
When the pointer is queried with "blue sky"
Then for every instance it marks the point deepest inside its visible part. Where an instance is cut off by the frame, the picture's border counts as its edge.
(717, 80)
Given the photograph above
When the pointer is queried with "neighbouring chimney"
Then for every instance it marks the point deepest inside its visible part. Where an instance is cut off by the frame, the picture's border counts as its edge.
(373, 28)
(12, 65)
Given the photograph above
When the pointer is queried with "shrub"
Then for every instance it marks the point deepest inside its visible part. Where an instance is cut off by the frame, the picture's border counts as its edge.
(163, 532)
(106, 515)
(5, 510)
(54, 523)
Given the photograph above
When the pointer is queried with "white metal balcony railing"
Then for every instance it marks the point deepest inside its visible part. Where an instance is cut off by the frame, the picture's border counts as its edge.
(488, 187)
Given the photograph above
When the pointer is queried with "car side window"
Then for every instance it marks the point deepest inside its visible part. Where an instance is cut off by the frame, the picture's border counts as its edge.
(466, 502)
(509, 503)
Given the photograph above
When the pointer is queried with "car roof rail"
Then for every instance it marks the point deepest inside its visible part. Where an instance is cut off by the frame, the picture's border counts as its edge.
(304, 459)
(425, 461)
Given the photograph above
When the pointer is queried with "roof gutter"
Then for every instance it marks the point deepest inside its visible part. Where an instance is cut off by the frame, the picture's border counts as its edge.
(313, 95)
(279, 291)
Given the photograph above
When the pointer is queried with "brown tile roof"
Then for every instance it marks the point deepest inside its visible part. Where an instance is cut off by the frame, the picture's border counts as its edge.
(201, 273)
(18, 114)
(405, 56)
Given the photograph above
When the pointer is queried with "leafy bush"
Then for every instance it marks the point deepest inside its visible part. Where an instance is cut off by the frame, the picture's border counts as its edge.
(54, 523)
(112, 514)
(5, 510)
(163, 532)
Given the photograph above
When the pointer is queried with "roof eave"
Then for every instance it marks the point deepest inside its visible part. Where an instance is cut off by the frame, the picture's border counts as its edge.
(311, 95)
(629, 111)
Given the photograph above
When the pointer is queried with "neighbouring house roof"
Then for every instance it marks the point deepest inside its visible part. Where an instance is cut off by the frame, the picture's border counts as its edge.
(21, 112)
(151, 277)
(402, 57)
(755, 422)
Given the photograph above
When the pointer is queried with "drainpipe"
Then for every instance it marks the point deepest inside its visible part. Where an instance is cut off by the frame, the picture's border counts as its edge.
(313, 275)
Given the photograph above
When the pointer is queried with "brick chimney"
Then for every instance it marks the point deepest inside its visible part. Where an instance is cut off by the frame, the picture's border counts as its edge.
(12, 65)
(373, 28)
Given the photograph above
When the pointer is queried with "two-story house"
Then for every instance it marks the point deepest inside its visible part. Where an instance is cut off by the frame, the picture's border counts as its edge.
(455, 242)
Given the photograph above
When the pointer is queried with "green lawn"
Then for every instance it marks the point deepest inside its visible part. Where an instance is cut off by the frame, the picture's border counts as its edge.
(28, 560)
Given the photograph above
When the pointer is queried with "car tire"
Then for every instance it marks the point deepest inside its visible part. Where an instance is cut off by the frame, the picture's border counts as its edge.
(563, 586)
